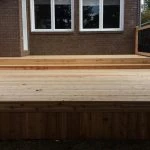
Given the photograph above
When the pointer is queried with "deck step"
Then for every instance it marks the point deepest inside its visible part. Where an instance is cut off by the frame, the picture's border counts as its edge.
(80, 66)
(76, 62)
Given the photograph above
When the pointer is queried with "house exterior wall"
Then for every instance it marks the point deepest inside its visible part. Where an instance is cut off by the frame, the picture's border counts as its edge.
(89, 43)
(11, 28)
(74, 43)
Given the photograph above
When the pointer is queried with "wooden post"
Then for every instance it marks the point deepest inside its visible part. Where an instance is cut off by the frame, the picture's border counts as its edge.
(136, 40)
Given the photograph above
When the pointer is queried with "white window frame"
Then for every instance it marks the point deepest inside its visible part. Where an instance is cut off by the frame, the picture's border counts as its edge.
(24, 25)
(101, 2)
(32, 16)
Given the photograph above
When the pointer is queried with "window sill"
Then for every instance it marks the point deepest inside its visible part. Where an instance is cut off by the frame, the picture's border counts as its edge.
(101, 32)
(52, 33)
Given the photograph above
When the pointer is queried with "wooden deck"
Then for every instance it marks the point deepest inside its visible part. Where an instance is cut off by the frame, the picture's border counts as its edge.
(74, 103)
(76, 62)
(74, 85)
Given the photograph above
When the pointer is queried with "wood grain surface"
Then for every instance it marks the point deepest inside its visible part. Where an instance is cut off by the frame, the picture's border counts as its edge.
(75, 104)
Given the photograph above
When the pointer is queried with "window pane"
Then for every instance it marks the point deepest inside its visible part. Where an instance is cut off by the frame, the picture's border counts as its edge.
(63, 14)
(111, 14)
(90, 14)
(42, 14)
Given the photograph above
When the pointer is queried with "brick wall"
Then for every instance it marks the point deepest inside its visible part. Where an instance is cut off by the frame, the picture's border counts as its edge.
(76, 43)
(88, 43)
(10, 28)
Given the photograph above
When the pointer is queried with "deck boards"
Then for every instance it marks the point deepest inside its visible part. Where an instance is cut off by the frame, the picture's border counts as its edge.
(75, 104)
(75, 62)
(75, 85)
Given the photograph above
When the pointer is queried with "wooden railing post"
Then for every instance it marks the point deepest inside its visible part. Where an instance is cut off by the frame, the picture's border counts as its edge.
(143, 41)
(136, 39)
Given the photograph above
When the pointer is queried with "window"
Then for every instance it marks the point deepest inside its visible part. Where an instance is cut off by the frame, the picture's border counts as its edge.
(111, 13)
(90, 14)
(52, 15)
(42, 10)
(101, 15)
(63, 14)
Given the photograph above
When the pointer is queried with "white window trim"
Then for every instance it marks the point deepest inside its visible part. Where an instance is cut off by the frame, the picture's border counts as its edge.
(32, 17)
(24, 25)
(101, 18)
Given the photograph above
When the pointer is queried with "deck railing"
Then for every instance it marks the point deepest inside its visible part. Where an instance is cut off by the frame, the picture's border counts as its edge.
(142, 44)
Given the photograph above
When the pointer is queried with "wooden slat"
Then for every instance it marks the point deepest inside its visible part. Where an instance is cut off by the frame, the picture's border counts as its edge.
(136, 40)
(76, 62)
(83, 125)
(74, 104)
(51, 128)
(4, 126)
(144, 27)
(143, 54)
(75, 85)
(36, 125)
(73, 125)
(81, 66)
